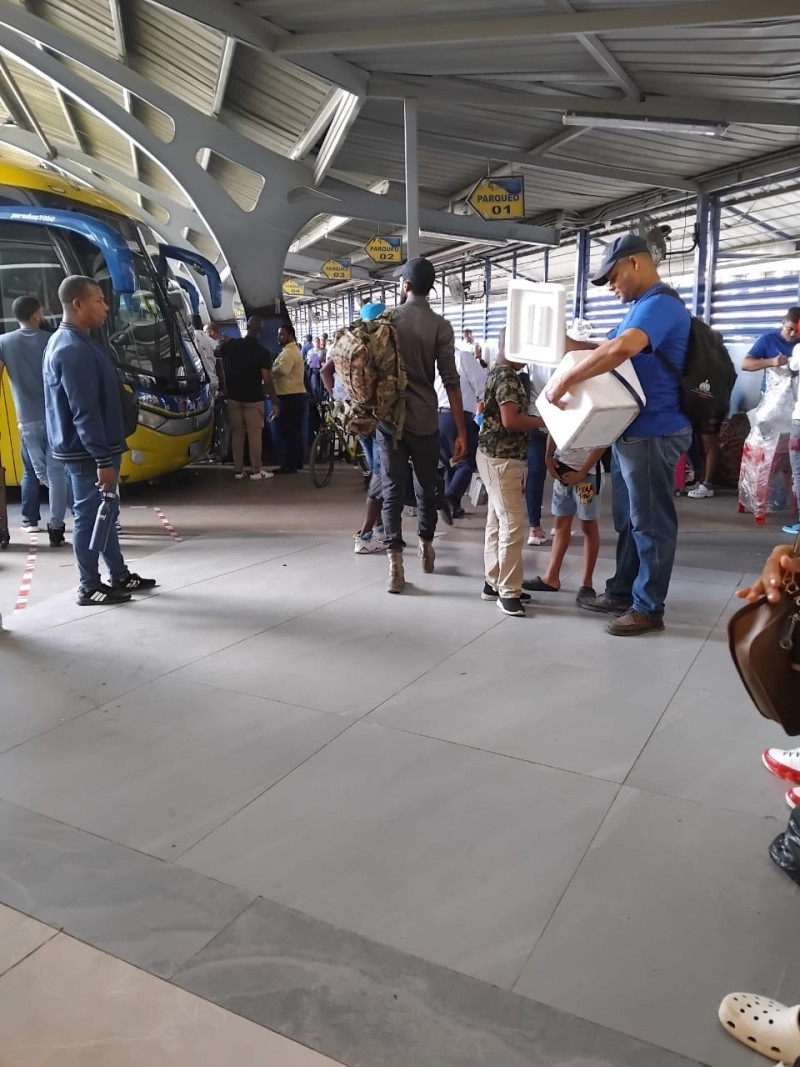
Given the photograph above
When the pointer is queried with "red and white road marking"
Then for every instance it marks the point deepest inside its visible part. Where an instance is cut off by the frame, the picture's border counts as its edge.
(167, 524)
(27, 577)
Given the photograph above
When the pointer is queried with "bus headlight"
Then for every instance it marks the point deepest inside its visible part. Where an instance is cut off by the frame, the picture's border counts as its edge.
(150, 419)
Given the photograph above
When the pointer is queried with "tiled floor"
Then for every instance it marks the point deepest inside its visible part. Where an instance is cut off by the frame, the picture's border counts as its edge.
(403, 831)
(66, 1003)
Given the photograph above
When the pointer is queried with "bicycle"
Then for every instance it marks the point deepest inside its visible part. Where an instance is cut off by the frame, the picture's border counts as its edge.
(332, 442)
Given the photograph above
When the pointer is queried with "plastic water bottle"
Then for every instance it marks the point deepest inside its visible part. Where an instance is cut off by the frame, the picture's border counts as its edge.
(105, 519)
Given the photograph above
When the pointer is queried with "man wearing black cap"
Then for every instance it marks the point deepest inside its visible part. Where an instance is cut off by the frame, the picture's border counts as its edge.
(426, 343)
(644, 458)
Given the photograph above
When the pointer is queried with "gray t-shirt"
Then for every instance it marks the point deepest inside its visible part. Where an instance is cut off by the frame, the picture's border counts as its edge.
(22, 352)
(426, 344)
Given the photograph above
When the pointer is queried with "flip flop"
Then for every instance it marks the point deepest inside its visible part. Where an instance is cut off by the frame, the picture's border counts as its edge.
(763, 1025)
(536, 585)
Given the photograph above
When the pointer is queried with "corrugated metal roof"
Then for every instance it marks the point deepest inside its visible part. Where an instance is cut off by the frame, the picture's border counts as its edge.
(273, 103)
(87, 20)
(175, 53)
(268, 104)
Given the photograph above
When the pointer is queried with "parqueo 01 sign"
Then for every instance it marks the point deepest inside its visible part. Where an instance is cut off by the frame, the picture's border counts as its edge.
(496, 199)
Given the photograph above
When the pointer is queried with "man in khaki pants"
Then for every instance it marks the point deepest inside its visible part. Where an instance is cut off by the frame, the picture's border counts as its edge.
(246, 364)
(502, 460)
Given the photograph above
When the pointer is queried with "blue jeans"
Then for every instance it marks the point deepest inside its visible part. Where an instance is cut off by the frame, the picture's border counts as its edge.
(48, 470)
(369, 443)
(537, 473)
(643, 498)
(794, 459)
(457, 479)
(82, 475)
(29, 489)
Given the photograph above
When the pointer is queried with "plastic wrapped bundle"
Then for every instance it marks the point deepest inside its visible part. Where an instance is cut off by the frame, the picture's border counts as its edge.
(765, 479)
(765, 475)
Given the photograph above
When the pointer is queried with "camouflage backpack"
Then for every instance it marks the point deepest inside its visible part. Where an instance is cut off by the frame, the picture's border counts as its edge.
(372, 372)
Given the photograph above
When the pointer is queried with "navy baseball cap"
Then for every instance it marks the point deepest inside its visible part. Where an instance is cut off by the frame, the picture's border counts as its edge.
(420, 272)
(627, 245)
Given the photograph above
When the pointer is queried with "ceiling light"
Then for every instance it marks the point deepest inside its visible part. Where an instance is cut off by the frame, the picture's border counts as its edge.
(614, 122)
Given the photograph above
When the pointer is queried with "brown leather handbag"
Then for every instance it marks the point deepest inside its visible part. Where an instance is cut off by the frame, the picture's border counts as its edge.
(764, 640)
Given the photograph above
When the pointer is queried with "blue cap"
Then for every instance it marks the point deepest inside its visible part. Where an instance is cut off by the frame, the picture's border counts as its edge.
(627, 245)
(371, 311)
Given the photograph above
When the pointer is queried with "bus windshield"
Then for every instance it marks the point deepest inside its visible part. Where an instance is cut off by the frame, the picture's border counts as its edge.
(142, 332)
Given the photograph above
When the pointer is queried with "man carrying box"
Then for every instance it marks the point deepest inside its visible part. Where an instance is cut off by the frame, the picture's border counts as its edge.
(644, 458)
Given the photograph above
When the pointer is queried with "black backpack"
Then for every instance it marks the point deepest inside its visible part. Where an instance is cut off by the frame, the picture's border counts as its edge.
(708, 376)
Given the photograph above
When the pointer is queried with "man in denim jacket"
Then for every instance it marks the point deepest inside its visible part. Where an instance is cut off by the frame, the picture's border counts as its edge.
(86, 432)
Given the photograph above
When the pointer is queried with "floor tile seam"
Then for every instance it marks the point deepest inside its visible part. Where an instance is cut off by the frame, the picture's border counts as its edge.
(565, 890)
(189, 585)
(428, 670)
(619, 1033)
(55, 933)
(217, 933)
(80, 715)
(710, 804)
(498, 990)
(493, 752)
(675, 694)
(114, 844)
(259, 633)
(174, 859)
(255, 696)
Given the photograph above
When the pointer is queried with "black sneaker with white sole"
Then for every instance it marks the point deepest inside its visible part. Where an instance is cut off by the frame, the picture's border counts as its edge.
(103, 594)
(490, 593)
(133, 583)
(510, 605)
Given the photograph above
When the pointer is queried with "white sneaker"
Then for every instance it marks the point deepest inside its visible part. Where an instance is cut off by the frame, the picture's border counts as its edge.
(537, 539)
(240, 476)
(367, 543)
(258, 476)
(783, 763)
(32, 528)
(700, 492)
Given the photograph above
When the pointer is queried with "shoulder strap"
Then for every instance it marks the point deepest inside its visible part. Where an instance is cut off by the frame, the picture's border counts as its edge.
(629, 387)
(667, 290)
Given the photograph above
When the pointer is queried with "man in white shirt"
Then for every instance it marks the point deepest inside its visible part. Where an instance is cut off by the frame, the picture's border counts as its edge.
(457, 478)
(794, 440)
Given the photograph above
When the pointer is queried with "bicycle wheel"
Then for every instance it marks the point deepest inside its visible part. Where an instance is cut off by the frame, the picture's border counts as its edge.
(321, 459)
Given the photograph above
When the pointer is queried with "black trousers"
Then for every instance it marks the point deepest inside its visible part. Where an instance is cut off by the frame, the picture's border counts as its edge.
(290, 423)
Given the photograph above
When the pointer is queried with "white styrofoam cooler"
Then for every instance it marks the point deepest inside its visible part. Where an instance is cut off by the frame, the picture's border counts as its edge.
(535, 322)
(598, 411)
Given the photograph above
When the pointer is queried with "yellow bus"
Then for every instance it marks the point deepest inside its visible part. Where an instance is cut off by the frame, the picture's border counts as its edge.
(51, 227)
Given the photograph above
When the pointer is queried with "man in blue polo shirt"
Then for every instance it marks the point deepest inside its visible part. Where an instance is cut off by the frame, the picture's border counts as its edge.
(773, 349)
(644, 458)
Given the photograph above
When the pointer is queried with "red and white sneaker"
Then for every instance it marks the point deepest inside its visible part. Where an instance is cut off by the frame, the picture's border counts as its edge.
(783, 763)
(793, 797)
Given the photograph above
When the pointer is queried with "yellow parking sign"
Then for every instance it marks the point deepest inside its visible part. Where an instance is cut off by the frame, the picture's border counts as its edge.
(385, 249)
(338, 270)
(495, 199)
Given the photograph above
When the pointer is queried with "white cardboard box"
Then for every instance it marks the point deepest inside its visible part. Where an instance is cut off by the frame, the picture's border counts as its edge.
(535, 322)
(598, 411)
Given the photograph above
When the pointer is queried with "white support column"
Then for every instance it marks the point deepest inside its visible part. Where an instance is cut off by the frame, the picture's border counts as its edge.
(410, 112)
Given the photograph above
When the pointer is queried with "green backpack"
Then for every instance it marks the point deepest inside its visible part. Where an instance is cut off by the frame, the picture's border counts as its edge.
(371, 370)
